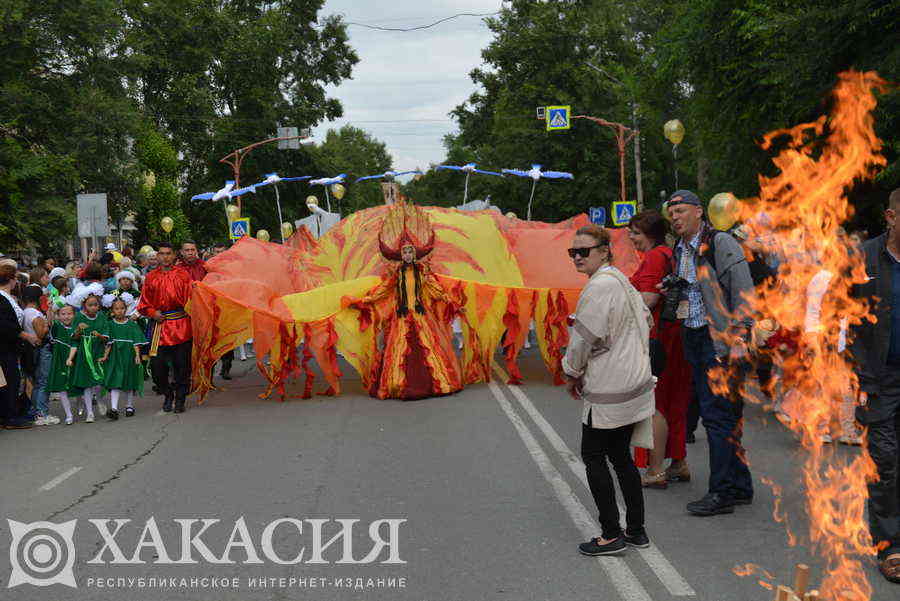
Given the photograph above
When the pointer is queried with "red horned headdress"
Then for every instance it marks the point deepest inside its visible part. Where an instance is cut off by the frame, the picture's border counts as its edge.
(405, 225)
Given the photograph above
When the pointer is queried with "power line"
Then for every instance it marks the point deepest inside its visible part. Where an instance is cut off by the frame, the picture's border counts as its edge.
(419, 27)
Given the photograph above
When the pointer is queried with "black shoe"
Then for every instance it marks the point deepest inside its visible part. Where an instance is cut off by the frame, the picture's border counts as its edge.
(167, 405)
(741, 500)
(594, 549)
(112, 414)
(641, 541)
(711, 504)
(129, 411)
(225, 375)
(179, 406)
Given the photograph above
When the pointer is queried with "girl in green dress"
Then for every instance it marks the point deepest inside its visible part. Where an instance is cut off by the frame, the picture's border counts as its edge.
(90, 338)
(122, 359)
(60, 378)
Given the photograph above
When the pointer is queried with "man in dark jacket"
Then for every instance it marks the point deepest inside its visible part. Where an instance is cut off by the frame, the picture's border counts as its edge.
(876, 350)
(712, 305)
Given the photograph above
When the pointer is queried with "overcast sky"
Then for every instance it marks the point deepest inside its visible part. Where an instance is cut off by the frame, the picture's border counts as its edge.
(406, 83)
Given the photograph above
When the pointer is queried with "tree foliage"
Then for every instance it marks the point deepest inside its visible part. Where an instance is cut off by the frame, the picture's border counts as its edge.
(731, 70)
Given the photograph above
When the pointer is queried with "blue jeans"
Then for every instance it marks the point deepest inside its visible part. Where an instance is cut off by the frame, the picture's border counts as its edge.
(729, 475)
(39, 396)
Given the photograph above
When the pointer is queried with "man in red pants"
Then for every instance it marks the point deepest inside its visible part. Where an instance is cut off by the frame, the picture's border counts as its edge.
(166, 291)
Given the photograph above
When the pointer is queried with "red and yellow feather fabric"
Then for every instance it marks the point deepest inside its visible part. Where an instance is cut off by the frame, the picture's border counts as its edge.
(297, 301)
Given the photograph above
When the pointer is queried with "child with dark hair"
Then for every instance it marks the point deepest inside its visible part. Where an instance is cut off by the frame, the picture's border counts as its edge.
(122, 359)
(36, 361)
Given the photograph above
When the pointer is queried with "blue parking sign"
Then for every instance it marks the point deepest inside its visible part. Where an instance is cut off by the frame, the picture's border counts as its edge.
(598, 215)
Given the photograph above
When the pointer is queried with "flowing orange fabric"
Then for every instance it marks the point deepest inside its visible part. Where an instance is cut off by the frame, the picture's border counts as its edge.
(504, 273)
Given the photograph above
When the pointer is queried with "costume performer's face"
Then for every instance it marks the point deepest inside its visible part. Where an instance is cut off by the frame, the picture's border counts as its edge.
(408, 254)
(66, 315)
(166, 256)
(189, 252)
(91, 306)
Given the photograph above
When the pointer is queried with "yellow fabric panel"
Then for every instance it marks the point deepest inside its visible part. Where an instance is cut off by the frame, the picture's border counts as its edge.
(319, 303)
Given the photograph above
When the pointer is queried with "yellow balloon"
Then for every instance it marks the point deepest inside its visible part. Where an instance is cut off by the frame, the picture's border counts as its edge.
(312, 201)
(665, 211)
(262, 235)
(117, 256)
(674, 131)
(167, 224)
(233, 212)
(287, 229)
(511, 215)
(145, 250)
(338, 190)
(723, 210)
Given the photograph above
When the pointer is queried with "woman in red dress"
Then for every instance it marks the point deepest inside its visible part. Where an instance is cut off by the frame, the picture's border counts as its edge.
(647, 231)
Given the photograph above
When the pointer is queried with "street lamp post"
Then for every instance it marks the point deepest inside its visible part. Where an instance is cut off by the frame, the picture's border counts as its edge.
(237, 157)
(622, 138)
(639, 186)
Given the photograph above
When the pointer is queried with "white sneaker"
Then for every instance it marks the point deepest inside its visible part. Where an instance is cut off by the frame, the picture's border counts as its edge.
(41, 421)
(52, 420)
(69, 421)
(89, 419)
(101, 408)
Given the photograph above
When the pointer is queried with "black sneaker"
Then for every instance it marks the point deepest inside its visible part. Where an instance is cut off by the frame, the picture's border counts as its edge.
(641, 541)
(711, 504)
(179, 406)
(225, 375)
(167, 405)
(112, 414)
(593, 548)
(129, 411)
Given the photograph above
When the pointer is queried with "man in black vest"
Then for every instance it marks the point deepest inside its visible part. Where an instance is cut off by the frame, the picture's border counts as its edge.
(876, 350)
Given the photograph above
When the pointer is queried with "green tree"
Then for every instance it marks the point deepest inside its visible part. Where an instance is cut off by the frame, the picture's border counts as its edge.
(159, 194)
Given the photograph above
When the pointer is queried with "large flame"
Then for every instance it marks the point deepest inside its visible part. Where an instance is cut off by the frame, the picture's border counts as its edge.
(804, 207)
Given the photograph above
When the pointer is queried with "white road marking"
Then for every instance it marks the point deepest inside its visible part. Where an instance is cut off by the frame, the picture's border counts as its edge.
(60, 478)
(658, 562)
(624, 580)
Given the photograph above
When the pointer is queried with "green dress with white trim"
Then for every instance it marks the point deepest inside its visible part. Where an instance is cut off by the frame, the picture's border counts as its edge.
(88, 370)
(60, 377)
(120, 370)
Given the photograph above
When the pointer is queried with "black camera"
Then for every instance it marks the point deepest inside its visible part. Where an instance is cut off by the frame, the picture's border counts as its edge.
(672, 285)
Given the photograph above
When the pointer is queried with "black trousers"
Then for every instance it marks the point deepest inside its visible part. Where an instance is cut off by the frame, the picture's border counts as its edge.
(10, 413)
(882, 418)
(180, 356)
(598, 445)
(227, 359)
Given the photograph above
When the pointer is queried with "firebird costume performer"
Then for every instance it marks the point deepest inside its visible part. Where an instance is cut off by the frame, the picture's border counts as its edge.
(412, 312)
(166, 291)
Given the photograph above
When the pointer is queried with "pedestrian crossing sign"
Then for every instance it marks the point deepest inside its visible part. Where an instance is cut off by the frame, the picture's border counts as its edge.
(623, 211)
(558, 118)
(239, 228)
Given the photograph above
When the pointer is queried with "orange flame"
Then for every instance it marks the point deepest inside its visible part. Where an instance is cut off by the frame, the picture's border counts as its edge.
(801, 209)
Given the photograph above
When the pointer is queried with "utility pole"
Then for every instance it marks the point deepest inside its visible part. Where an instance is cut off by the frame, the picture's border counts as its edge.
(639, 187)
(236, 157)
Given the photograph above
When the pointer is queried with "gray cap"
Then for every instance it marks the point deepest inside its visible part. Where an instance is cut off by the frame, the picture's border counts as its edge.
(684, 197)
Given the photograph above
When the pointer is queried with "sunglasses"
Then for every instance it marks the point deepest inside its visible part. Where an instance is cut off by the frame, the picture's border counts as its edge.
(582, 252)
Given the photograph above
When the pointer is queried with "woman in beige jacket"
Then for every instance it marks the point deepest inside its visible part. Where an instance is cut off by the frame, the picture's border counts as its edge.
(607, 364)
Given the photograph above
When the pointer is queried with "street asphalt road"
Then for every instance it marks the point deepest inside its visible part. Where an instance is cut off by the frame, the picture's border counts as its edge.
(489, 482)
